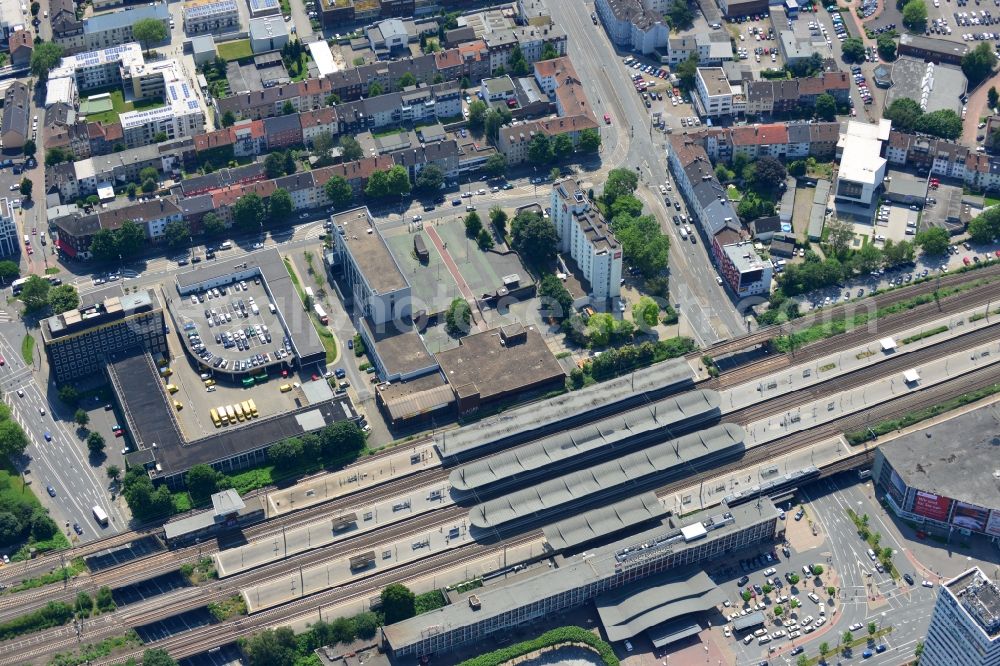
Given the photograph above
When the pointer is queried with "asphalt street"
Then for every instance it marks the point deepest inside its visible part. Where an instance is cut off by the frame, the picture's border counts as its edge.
(709, 309)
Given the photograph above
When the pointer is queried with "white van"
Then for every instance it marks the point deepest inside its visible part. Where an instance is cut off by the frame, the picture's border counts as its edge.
(871, 554)
(225, 245)
(271, 307)
(254, 309)
(684, 234)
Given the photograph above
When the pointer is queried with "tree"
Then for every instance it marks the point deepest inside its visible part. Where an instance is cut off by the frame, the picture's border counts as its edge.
(619, 182)
(95, 443)
(366, 624)
(933, 241)
(540, 149)
(473, 225)
(853, 50)
(803, 661)
(26, 186)
(826, 107)
(992, 97)
(338, 191)
(69, 395)
(113, 472)
(806, 67)
(149, 31)
(915, 15)
(943, 123)
(148, 185)
(534, 238)
(498, 218)
(686, 71)
(430, 179)
(554, 299)
(977, 63)
(397, 603)
(477, 113)
(374, 90)
(839, 237)
(868, 258)
(228, 119)
(54, 156)
(279, 205)
(484, 240)
(13, 441)
(496, 165)
(11, 528)
(985, 227)
(517, 63)
(562, 146)
(590, 140)
(824, 649)
(81, 417)
(212, 225)
(129, 239)
(679, 15)
(407, 79)
(600, 328)
(274, 165)
(350, 149)
(42, 527)
(554, 174)
(30, 148)
(8, 270)
(286, 454)
(63, 298)
(394, 182)
(745, 595)
(156, 656)
(83, 604)
(918, 650)
(816, 569)
(322, 143)
(886, 47)
(645, 245)
(288, 159)
(44, 57)
(458, 318)
(272, 647)
(249, 212)
(847, 639)
(35, 293)
(495, 119)
(831, 590)
(202, 481)
(646, 312)
(768, 173)
(177, 234)
(872, 629)
(35, 7)
(778, 611)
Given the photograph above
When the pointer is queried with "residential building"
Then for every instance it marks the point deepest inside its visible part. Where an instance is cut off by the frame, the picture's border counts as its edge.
(631, 26)
(514, 140)
(9, 242)
(102, 31)
(320, 121)
(15, 122)
(965, 625)
(80, 342)
(584, 236)
(282, 131)
(67, 29)
(377, 287)
(76, 231)
(208, 16)
(714, 96)
(746, 273)
(862, 167)
(21, 45)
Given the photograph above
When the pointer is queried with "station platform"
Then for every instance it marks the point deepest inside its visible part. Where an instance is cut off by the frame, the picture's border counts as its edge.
(320, 533)
(366, 473)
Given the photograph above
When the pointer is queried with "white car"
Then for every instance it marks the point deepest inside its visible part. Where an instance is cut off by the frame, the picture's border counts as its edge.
(855, 626)
(726, 632)
(820, 622)
(770, 572)
(927, 583)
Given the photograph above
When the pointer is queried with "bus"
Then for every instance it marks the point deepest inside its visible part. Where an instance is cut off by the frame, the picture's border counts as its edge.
(309, 292)
(247, 381)
(231, 413)
(253, 407)
(239, 411)
(100, 516)
(321, 313)
(246, 408)
(223, 416)
(215, 417)
(17, 285)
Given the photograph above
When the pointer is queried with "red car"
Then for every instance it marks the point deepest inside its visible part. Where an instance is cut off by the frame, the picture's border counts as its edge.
(965, 260)
(607, 119)
(998, 254)
(3, 361)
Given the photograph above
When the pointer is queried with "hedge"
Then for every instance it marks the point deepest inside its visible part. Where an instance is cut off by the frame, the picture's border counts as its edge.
(548, 639)
(53, 614)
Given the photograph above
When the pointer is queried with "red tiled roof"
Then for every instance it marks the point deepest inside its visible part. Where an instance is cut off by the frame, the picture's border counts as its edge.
(447, 59)
(216, 139)
(227, 196)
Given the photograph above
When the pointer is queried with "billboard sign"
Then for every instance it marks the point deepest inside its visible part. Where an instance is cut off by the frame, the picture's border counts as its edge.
(970, 516)
(931, 506)
(897, 482)
(993, 524)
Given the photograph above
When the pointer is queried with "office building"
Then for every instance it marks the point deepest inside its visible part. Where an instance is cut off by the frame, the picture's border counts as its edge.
(79, 342)
(743, 269)
(8, 229)
(714, 96)
(965, 626)
(584, 236)
(862, 167)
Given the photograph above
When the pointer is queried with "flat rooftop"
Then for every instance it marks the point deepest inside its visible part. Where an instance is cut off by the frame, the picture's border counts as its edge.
(944, 84)
(369, 250)
(580, 572)
(979, 596)
(715, 81)
(955, 458)
(402, 351)
(862, 147)
(113, 306)
(499, 361)
(151, 421)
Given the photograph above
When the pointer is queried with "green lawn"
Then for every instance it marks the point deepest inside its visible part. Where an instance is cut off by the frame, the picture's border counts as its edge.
(28, 350)
(235, 50)
(120, 106)
(990, 201)
(300, 71)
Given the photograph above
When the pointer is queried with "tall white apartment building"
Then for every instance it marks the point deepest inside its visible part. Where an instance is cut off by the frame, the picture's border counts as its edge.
(584, 235)
(965, 626)
(8, 229)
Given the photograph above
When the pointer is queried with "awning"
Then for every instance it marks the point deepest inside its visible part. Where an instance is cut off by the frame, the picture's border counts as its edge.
(888, 344)
(911, 376)
(63, 247)
(748, 621)
(671, 632)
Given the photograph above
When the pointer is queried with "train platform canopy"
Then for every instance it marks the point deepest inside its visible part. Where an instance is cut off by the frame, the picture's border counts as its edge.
(749, 621)
(911, 376)
(888, 344)
(225, 505)
(539, 415)
(603, 522)
(577, 488)
(605, 435)
(642, 605)
(671, 632)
